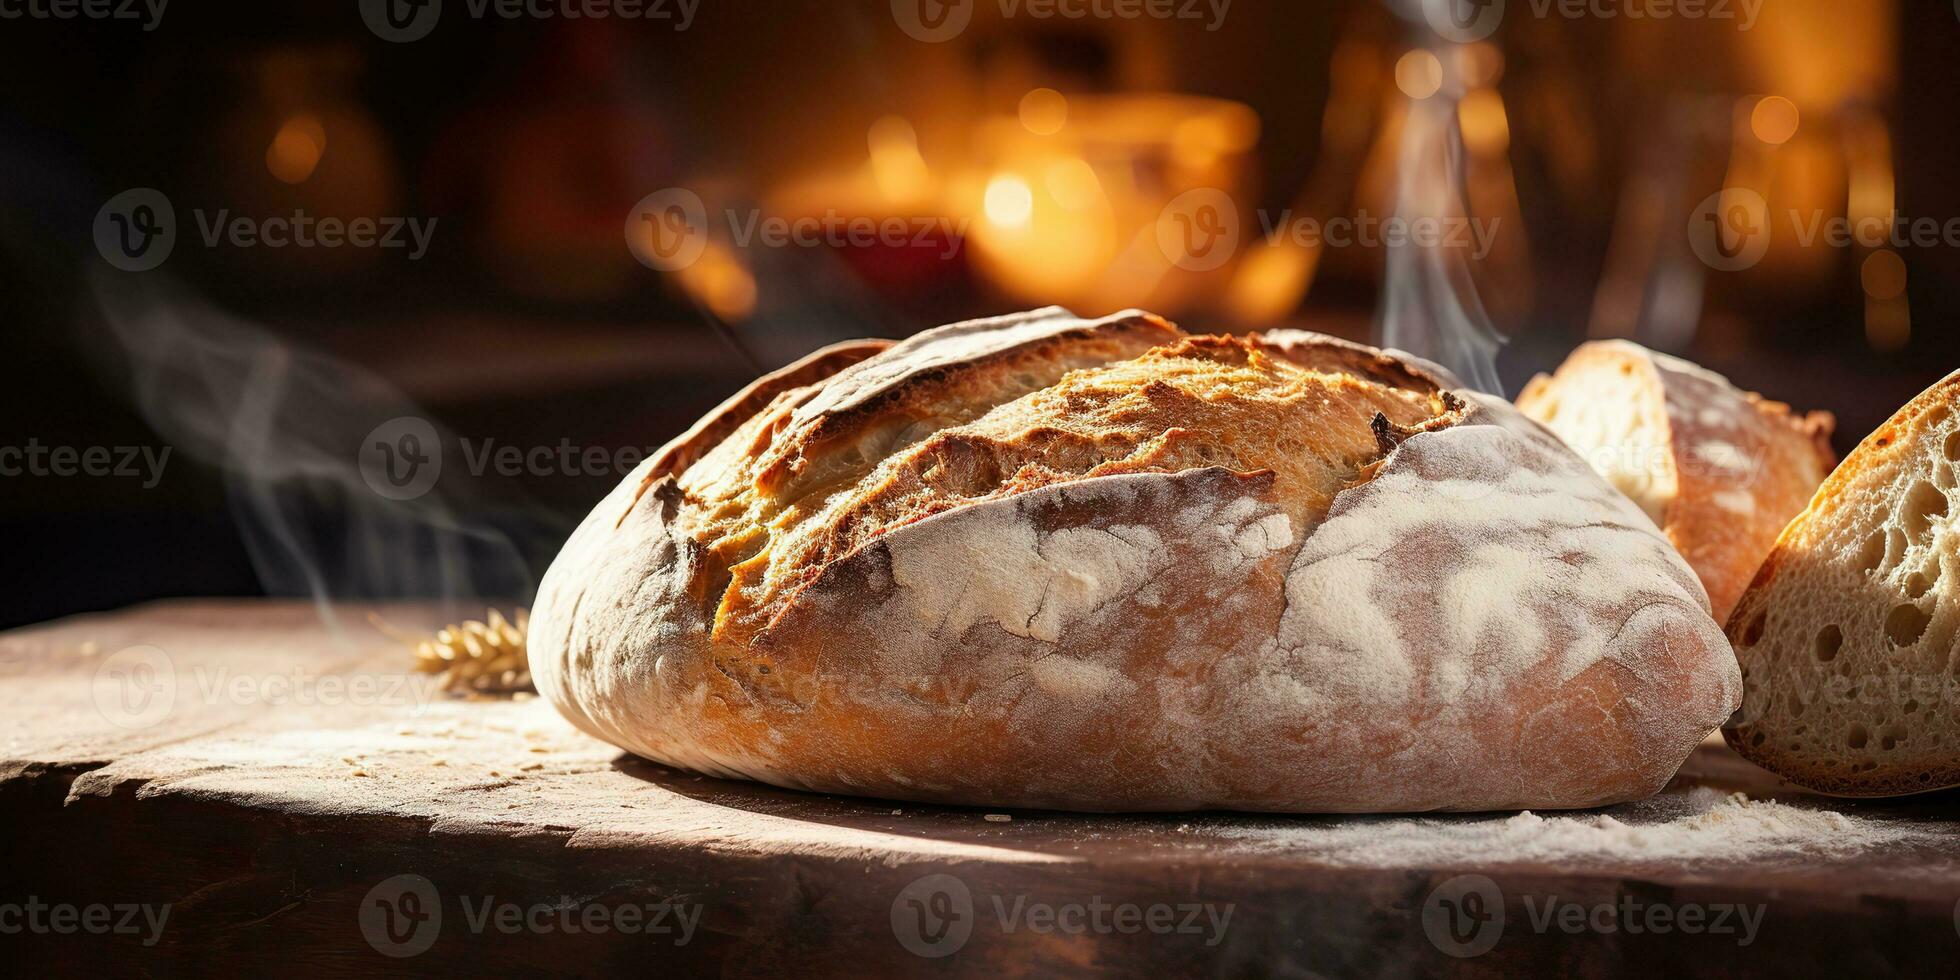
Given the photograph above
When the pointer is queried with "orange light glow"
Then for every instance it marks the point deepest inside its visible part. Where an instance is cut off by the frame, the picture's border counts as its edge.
(1009, 201)
(1884, 275)
(721, 282)
(1418, 74)
(896, 166)
(1044, 111)
(1074, 185)
(1271, 282)
(296, 149)
(1486, 130)
(1774, 120)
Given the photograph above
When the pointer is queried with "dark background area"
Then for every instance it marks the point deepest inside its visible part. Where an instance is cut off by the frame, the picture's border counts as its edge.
(529, 322)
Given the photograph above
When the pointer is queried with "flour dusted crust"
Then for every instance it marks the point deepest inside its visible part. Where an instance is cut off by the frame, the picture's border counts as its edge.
(1721, 470)
(1103, 565)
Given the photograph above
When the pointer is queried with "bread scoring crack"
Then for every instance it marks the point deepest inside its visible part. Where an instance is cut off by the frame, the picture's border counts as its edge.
(795, 488)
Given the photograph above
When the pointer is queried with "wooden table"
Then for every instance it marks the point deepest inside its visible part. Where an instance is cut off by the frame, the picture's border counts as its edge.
(297, 798)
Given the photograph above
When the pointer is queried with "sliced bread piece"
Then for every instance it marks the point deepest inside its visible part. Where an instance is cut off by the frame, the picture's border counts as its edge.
(1719, 469)
(1846, 636)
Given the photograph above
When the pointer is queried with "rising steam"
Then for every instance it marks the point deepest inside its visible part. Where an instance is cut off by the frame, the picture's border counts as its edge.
(1430, 305)
(286, 426)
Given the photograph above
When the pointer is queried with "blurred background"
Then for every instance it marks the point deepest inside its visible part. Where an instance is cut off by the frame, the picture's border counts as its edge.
(607, 217)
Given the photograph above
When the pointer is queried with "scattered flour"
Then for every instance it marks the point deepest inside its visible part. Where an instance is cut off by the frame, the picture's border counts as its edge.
(1701, 824)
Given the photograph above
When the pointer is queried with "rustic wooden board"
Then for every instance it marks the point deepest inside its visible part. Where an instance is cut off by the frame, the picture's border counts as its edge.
(269, 779)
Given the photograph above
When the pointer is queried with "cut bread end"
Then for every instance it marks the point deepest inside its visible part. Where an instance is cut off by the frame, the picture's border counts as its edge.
(1847, 635)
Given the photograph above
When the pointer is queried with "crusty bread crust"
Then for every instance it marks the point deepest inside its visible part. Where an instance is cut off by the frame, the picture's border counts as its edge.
(1847, 633)
(1732, 468)
(1408, 597)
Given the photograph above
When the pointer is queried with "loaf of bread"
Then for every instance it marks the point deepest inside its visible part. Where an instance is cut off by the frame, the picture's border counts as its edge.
(1720, 470)
(1846, 636)
(1038, 561)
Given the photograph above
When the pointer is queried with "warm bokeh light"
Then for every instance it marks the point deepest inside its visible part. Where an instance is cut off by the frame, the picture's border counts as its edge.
(1872, 191)
(1774, 120)
(1271, 282)
(1009, 201)
(1073, 184)
(1044, 111)
(896, 164)
(296, 149)
(1486, 130)
(1479, 64)
(1418, 74)
(720, 281)
(1200, 141)
(1884, 275)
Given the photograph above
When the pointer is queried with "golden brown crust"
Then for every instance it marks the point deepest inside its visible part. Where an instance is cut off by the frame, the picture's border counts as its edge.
(1730, 467)
(1039, 568)
(715, 427)
(1847, 565)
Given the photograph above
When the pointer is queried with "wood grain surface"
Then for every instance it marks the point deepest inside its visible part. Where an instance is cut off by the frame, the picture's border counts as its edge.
(201, 787)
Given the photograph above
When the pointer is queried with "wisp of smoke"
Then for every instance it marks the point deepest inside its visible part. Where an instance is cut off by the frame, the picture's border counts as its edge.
(287, 427)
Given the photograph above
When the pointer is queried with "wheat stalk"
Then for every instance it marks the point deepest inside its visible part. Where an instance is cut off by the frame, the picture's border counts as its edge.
(486, 656)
